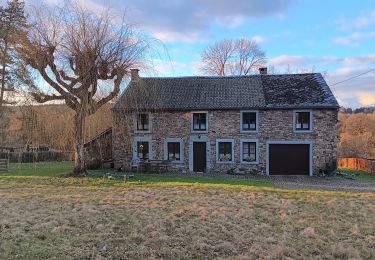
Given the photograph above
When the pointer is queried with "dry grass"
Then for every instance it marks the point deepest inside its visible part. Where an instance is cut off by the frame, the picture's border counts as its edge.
(43, 218)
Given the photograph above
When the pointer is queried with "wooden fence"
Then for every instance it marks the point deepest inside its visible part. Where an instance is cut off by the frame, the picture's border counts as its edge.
(357, 164)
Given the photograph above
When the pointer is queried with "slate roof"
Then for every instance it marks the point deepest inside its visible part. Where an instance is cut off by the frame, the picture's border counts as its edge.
(233, 92)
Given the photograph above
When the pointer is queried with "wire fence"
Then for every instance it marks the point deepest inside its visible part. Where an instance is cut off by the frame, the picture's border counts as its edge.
(40, 156)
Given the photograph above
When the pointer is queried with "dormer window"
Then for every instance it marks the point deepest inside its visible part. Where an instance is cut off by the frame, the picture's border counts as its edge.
(143, 122)
(249, 121)
(302, 121)
(199, 122)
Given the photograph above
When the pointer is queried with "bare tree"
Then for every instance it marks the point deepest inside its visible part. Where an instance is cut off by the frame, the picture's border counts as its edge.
(232, 57)
(77, 53)
(215, 58)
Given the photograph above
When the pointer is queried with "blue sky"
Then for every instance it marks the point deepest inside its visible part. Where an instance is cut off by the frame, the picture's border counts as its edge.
(336, 38)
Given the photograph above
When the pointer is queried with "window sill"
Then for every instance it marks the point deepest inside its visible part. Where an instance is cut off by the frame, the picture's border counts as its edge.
(220, 162)
(142, 132)
(199, 131)
(303, 131)
(243, 162)
(249, 131)
(176, 162)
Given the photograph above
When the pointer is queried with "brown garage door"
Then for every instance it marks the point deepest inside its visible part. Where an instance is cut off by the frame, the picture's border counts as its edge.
(289, 159)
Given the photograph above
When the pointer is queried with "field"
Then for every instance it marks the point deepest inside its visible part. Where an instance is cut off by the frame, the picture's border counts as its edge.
(44, 217)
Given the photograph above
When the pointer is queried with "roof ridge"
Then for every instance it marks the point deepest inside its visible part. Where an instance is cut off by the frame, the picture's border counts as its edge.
(230, 76)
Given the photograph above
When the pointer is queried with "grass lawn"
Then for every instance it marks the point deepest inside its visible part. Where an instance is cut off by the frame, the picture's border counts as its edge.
(39, 169)
(57, 169)
(87, 218)
(360, 175)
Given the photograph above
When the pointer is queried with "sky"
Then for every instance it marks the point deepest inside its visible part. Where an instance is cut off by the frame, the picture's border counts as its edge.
(335, 38)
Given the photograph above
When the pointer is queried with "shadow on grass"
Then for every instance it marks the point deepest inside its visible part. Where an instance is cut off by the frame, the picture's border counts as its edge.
(63, 169)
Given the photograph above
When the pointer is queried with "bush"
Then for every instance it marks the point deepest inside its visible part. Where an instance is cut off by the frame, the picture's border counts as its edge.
(94, 164)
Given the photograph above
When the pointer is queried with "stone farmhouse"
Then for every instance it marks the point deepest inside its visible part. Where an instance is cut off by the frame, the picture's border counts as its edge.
(261, 124)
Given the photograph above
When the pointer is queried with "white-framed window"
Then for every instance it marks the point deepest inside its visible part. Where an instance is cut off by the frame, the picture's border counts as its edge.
(249, 121)
(199, 122)
(142, 148)
(224, 150)
(249, 151)
(174, 150)
(302, 121)
(143, 122)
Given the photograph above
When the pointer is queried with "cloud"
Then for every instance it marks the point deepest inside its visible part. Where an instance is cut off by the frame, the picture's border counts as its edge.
(190, 20)
(354, 39)
(259, 39)
(301, 61)
(359, 22)
(355, 92)
(367, 99)
(359, 60)
(168, 67)
(90, 5)
(187, 20)
(167, 36)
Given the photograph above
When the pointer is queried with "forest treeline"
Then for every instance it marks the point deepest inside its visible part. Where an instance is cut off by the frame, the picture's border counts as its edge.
(357, 135)
(48, 125)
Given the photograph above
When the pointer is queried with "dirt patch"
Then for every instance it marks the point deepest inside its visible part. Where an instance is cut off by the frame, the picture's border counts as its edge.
(85, 220)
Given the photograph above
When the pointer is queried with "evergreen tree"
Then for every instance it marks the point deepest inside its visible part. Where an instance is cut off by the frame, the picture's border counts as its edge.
(13, 24)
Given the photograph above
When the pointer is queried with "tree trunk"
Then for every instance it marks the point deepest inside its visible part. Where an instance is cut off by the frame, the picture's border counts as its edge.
(79, 160)
(2, 85)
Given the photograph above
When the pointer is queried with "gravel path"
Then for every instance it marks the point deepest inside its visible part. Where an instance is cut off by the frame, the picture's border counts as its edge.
(335, 183)
(320, 183)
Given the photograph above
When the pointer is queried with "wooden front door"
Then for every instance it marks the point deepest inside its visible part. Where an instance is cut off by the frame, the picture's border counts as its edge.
(289, 159)
(199, 156)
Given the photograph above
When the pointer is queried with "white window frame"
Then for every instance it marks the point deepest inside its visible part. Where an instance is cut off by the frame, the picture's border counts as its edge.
(137, 139)
(256, 122)
(149, 123)
(246, 140)
(174, 140)
(311, 121)
(217, 150)
(192, 122)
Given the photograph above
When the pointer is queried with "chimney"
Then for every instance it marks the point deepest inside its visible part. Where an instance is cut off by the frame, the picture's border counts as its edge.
(263, 70)
(134, 74)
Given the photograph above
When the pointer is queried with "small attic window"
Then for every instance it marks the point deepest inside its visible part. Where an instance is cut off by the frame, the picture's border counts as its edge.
(199, 121)
(143, 122)
(249, 121)
(302, 121)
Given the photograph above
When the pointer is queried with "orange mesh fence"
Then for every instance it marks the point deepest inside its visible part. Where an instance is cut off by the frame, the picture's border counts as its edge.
(357, 164)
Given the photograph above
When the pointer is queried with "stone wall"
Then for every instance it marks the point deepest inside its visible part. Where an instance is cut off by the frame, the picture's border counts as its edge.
(100, 147)
(275, 125)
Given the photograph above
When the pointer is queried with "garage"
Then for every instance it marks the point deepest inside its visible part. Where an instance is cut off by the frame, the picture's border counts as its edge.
(289, 159)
